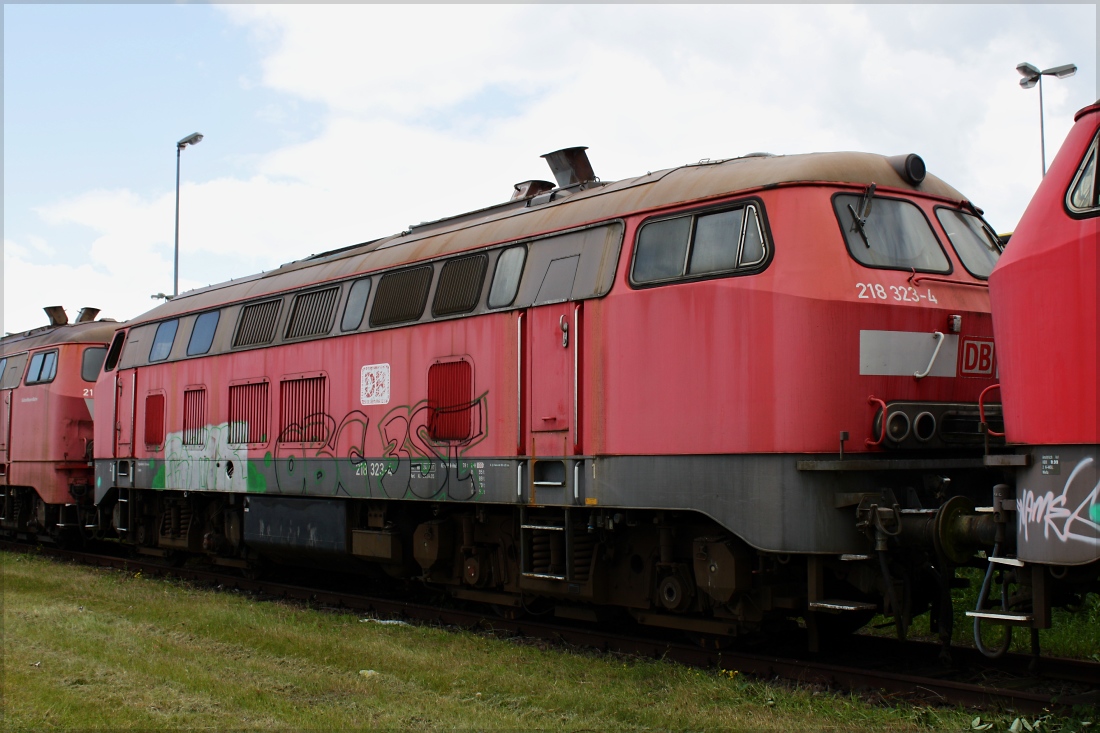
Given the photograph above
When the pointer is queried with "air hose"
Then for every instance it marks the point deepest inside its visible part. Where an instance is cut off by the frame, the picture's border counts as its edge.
(997, 652)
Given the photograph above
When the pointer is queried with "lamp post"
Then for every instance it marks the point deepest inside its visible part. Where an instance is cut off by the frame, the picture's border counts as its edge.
(1033, 76)
(193, 139)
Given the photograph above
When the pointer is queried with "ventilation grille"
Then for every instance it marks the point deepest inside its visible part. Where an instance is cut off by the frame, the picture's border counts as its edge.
(248, 413)
(302, 410)
(401, 296)
(154, 420)
(257, 325)
(194, 417)
(459, 285)
(311, 314)
(450, 393)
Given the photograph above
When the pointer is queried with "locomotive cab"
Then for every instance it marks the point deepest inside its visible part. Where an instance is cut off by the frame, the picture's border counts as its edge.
(47, 396)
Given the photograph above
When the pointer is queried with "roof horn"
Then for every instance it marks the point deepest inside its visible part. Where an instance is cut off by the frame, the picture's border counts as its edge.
(570, 166)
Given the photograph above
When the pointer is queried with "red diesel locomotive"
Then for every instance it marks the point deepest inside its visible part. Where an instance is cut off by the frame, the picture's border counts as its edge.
(1044, 296)
(47, 390)
(713, 396)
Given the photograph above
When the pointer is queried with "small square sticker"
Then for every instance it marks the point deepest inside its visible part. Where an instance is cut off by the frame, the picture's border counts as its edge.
(374, 386)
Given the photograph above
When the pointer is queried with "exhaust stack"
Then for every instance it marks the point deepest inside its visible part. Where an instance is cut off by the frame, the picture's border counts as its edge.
(570, 166)
(57, 314)
(86, 314)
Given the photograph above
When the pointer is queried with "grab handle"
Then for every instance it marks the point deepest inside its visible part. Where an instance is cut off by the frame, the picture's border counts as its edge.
(939, 342)
(981, 410)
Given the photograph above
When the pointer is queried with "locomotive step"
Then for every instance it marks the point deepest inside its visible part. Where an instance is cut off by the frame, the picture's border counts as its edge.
(1006, 561)
(1010, 619)
(837, 606)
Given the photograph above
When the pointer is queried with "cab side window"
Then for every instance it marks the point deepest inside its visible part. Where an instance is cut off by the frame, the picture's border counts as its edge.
(42, 369)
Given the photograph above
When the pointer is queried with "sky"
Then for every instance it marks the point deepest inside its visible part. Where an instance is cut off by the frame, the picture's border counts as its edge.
(325, 126)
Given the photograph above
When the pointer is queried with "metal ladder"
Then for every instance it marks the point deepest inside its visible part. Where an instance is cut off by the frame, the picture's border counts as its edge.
(542, 538)
(123, 512)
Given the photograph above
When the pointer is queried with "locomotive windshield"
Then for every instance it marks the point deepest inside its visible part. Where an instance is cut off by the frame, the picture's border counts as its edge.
(978, 247)
(889, 233)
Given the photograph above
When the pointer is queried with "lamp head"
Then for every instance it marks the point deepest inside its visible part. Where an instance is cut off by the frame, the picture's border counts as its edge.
(193, 139)
(1029, 82)
(1062, 72)
(1027, 70)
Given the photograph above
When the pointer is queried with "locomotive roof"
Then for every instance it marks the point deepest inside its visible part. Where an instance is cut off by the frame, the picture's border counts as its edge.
(93, 331)
(578, 205)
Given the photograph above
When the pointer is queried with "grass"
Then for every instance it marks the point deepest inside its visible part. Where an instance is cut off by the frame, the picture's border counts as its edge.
(102, 649)
(1074, 633)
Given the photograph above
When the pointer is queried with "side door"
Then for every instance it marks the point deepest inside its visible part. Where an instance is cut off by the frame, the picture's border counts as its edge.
(553, 378)
(553, 360)
(125, 407)
(5, 431)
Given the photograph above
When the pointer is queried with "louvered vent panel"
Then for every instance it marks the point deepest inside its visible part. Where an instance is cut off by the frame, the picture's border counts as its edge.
(459, 285)
(154, 420)
(450, 394)
(312, 313)
(194, 417)
(257, 325)
(401, 296)
(248, 413)
(302, 410)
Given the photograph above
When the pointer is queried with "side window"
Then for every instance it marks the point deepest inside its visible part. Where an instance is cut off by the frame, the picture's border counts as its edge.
(114, 352)
(697, 245)
(162, 342)
(3, 366)
(1083, 196)
(202, 334)
(506, 277)
(42, 369)
(976, 244)
(356, 305)
(890, 234)
(91, 362)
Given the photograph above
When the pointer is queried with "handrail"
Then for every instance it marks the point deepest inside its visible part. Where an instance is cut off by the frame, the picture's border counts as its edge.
(939, 342)
(981, 410)
(872, 443)
(914, 279)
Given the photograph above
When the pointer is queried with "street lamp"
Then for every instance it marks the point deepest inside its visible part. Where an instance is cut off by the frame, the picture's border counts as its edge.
(193, 139)
(1033, 76)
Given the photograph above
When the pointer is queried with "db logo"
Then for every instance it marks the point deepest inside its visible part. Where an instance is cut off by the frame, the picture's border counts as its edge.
(977, 357)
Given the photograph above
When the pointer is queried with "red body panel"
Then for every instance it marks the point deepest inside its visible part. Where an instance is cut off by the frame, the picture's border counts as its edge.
(764, 363)
(489, 343)
(767, 363)
(1047, 310)
(52, 424)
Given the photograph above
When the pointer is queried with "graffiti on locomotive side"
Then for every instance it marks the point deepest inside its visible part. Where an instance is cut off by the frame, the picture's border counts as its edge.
(1054, 515)
(412, 462)
(426, 467)
(318, 435)
(215, 465)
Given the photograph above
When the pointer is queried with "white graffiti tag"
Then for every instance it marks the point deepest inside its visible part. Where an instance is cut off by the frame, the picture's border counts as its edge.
(1054, 515)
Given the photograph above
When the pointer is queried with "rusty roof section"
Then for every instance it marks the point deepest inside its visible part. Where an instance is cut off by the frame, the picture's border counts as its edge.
(73, 333)
(583, 204)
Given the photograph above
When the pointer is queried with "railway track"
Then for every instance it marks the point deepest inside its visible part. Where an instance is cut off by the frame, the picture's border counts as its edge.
(891, 669)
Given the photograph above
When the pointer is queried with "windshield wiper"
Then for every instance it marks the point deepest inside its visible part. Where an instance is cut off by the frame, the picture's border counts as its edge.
(859, 219)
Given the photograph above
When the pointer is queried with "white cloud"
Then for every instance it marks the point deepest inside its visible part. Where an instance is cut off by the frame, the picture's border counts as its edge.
(423, 121)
